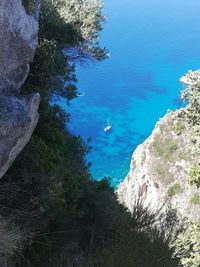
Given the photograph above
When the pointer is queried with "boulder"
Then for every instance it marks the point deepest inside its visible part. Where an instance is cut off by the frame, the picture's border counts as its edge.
(18, 114)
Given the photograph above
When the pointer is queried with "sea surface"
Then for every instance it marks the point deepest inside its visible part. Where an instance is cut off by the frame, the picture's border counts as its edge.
(152, 43)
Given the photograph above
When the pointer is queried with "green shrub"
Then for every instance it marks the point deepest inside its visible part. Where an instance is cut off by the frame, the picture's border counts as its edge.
(179, 127)
(194, 174)
(162, 171)
(195, 199)
(164, 148)
(174, 189)
(187, 246)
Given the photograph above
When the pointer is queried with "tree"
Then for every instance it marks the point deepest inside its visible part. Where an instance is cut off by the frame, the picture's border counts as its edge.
(87, 17)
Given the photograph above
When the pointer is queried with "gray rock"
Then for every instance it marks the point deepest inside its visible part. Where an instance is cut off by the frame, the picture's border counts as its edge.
(18, 41)
(18, 118)
(18, 114)
(157, 166)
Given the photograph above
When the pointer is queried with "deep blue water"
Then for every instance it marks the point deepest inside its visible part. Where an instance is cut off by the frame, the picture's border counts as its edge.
(152, 43)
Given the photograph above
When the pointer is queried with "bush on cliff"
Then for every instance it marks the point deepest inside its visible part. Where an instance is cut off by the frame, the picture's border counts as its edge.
(195, 175)
(188, 245)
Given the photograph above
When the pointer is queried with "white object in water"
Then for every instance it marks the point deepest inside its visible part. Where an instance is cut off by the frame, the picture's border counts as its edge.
(108, 127)
(81, 94)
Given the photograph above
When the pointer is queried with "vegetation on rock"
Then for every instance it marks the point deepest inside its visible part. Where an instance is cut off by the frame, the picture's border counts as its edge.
(174, 189)
(188, 246)
(192, 116)
(164, 148)
(195, 175)
(195, 199)
(179, 127)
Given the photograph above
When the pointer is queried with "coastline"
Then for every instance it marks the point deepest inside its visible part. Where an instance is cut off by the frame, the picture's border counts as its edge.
(191, 77)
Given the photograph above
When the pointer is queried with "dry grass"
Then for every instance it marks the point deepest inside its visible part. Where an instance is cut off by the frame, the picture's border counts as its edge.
(11, 240)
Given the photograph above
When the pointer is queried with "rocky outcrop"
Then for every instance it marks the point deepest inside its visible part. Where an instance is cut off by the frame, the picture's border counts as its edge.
(18, 114)
(159, 170)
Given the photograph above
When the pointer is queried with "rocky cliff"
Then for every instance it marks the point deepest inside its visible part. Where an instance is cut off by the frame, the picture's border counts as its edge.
(18, 114)
(159, 170)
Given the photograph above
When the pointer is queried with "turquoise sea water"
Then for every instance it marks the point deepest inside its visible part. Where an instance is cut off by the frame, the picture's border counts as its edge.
(152, 43)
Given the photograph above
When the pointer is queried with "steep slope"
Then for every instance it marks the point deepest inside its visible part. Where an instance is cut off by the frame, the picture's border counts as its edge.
(159, 170)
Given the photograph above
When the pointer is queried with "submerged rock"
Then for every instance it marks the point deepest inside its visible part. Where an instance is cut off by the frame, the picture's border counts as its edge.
(18, 114)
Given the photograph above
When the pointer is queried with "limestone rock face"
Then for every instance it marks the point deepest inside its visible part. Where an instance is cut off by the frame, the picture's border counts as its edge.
(159, 170)
(18, 114)
(18, 118)
(18, 41)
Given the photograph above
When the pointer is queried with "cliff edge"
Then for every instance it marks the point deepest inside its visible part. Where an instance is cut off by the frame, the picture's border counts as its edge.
(159, 170)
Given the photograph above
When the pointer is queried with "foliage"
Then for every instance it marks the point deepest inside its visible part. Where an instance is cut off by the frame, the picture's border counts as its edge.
(195, 175)
(174, 189)
(75, 24)
(195, 199)
(75, 12)
(86, 16)
(188, 246)
(191, 114)
(105, 233)
(162, 172)
(179, 127)
(192, 97)
(137, 242)
(164, 148)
